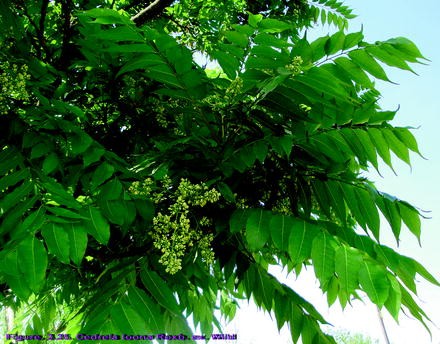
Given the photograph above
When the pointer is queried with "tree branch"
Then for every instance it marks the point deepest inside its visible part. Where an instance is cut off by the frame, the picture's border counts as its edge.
(66, 9)
(38, 33)
(43, 12)
(152, 10)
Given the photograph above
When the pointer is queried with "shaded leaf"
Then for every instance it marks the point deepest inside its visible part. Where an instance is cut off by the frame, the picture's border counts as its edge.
(280, 229)
(78, 241)
(57, 241)
(373, 280)
(96, 225)
(300, 241)
(146, 308)
(33, 262)
(347, 264)
(323, 256)
(159, 290)
(257, 229)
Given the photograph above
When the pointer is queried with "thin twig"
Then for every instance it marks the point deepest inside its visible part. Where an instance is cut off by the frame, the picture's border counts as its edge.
(382, 324)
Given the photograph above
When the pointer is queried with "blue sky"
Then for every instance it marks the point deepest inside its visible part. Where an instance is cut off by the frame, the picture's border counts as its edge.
(419, 101)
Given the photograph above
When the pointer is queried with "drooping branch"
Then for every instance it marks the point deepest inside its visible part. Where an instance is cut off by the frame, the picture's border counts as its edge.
(151, 11)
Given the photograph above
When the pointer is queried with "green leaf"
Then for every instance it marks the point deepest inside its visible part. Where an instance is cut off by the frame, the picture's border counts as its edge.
(58, 193)
(129, 48)
(13, 178)
(273, 25)
(237, 38)
(254, 19)
(14, 197)
(117, 17)
(332, 290)
(40, 149)
(396, 146)
(33, 262)
(352, 203)
(387, 256)
(300, 241)
(270, 40)
(119, 34)
(257, 229)
(145, 208)
(57, 241)
(420, 269)
(91, 155)
(347, 265)
(146, 308)
(317, 48)
(143, 62)
(381, 145)
(228, 62)
(78, 241)
(379, 117)
(321, 196)
(12, 218)
(414, 308)
(323, 256)
(406, 47)
(368, 63)
(355, 72)
(101, 174)
(63, 212)
(322, 81)
(373, 280)
(303, 49)
(280, 229)
(282, 145)
(336, 200)
(96, 225)
(226, 192)
(407, 138)
(9, 159)
(394, 301)
(159, 290)
(9, 265)
(127, 320)
(238, 220)
(50, 163)
(353, 39)
(166, 75)
(391, 212)
(263, 289)
(411, 218)
(392, 60)
(261, 62)
(370, 212)
(335, 43)
(80, 142)
(367, 146)
(114, 211)
(296, 322)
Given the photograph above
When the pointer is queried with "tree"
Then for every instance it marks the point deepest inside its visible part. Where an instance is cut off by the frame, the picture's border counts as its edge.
(139, 187)
(344, 337)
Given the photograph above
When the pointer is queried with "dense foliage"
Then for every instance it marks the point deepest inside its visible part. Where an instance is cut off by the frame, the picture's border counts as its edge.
(139, 186)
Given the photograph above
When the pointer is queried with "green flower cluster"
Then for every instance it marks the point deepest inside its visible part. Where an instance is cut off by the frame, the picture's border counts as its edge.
(295, 66)
(13, 84)
(222, 102)
(142, 189)
(234, 88)
(173, 231)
